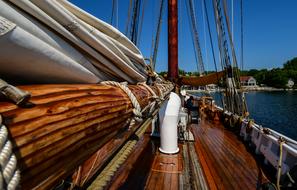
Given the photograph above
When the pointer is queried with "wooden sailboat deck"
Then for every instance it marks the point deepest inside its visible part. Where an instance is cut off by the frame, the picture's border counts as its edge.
(217, 159)
(226, 162)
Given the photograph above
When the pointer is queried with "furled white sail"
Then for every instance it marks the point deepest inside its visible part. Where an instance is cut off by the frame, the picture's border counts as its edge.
(86, 42)
(26, 57)
(35, 28)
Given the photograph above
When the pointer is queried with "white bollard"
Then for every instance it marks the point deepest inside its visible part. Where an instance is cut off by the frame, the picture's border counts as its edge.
(169, 124)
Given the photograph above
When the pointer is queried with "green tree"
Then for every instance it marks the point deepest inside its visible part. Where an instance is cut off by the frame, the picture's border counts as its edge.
(291, 64)
(276, 78)
(260, 76)
(181, 72)
(163, 73)
(252, 72)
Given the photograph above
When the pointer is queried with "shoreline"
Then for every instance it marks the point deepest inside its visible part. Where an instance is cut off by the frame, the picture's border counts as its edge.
(265, 89)
(246, 89)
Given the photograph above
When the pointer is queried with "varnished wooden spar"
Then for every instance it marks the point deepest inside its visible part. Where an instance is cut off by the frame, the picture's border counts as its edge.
(172, 40)
(91, 166)
(65, 126)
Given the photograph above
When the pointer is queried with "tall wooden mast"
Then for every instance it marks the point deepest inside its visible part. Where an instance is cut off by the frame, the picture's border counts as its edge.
(172, 40)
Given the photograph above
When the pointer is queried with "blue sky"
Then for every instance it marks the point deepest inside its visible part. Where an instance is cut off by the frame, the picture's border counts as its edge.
(270, 31)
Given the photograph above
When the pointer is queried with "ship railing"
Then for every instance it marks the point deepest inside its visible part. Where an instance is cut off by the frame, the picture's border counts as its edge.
(266, 141)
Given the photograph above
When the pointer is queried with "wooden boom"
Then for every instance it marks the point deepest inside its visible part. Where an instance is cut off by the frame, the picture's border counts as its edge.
(66, 125)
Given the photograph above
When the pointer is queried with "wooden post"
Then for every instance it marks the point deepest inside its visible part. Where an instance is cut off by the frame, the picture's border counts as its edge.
(172, 41)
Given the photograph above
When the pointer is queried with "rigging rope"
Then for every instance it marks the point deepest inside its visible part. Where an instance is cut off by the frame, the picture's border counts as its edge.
(236, 74)
(233, 100)
(114, 13)
(141, 22)
(232, 18)
(157, 37)
(230, 34)
(212, 48)
(204, 33)
(241, 30)
(223, 44)
(135, 21)
(129, 17)
(195, 35)
(193, 41)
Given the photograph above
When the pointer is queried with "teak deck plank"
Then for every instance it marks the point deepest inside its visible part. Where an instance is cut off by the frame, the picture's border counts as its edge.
(224, 158)
(209, 173)
(165, 171)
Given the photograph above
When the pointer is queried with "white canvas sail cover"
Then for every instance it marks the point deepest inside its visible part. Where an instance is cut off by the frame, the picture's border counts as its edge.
(60, 43)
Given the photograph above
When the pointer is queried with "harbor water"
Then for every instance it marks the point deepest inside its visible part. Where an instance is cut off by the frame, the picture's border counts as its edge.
(276, 110)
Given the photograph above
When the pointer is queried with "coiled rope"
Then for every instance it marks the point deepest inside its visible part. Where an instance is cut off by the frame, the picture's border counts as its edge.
(9, 174)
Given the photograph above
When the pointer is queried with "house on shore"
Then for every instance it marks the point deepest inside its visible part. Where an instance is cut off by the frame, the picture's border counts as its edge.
(290, 83)
(248, 81)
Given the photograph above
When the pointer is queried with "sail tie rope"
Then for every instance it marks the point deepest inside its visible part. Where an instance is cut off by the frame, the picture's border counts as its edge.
(152, 104)
(157, 98)
(137, 109)
(9, 174)
(160, 91)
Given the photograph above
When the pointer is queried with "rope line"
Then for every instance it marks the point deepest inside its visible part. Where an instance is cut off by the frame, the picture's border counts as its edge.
(195, 35)
(155, 43)
(157, 98)
(280, 161)
(106, 175)
(137, 109)
(241, 31)
(129, 17)
(141, 22)
(9, 174)
(212, 47)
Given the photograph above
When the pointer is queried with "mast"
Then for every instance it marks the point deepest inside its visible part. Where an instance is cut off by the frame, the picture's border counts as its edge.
(172, 40)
